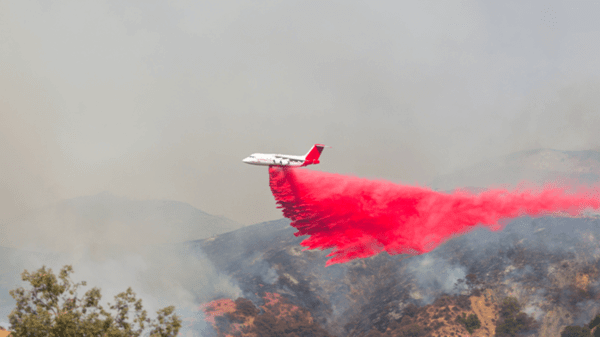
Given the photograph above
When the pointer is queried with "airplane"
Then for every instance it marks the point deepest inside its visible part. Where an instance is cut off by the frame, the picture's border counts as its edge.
(266, 159)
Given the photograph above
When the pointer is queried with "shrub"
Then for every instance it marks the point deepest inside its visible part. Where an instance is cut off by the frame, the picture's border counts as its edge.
(412, 330)
(512, 320)
(594, 322)
(576, 331)
(471, 323)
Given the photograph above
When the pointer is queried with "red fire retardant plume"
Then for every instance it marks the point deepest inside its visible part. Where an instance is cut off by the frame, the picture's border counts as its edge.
(359, 218)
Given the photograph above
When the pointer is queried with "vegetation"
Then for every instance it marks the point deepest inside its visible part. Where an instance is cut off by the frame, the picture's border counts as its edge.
(53, 308)
(411, 330)
(473, 285)
(269, 325)
(471, 323)
(594, 322)
(280, 318)
(512, 321)
(576, 331)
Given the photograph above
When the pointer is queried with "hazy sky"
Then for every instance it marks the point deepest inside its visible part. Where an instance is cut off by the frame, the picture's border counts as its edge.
(163, 99)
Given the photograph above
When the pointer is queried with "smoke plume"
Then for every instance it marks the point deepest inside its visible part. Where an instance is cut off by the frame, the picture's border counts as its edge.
(358, 218)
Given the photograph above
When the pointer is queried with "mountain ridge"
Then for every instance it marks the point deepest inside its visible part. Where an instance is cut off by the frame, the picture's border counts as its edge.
(535, 166)
(110, 216)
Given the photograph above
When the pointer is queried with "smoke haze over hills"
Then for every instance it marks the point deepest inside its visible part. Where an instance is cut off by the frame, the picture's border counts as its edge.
(107, 220)
(161, 100)
(114, 243)
(550, 264)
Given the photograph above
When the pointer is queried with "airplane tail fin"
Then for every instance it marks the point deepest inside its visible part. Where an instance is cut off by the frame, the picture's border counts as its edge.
(312, 157)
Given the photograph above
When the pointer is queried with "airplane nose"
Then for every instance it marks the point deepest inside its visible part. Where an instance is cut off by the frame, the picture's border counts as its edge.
(246, 160)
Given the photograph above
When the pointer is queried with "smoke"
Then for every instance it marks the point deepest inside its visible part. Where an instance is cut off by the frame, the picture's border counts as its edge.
(359, 218)
(123, 95)
(434, 276)
(114, 243)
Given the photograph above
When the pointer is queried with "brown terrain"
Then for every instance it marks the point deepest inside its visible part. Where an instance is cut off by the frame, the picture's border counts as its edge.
(549, 268)
(276, 317)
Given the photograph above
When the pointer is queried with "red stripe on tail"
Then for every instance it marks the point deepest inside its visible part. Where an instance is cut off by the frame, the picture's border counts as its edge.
(314, 153)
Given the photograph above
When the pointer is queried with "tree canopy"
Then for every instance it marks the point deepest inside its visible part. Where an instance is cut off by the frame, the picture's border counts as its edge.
(576, 331)
(512, 321)
(53, 307)
(471, 323)
(594, 322)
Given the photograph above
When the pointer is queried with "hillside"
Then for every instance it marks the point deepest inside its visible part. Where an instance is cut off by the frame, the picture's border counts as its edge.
(109, 217)
(113, 243)
(189, 222)
(550, 265)
(540, 165)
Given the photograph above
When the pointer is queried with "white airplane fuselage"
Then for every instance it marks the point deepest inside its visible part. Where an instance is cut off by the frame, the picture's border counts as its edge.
(267, 159)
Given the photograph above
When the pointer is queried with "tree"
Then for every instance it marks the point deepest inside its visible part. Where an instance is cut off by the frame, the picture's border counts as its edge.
(471, 323)
(510, 307)
(53, 308)
(595, 325)
(512, 321)
(576, 331)
(471, 281)
(594, 322)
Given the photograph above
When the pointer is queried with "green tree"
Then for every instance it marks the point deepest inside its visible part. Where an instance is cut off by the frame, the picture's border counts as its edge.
(594, 322)
(510, 307)
(512, 320)
(471, 323)
(576, 331)
(53, 308)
